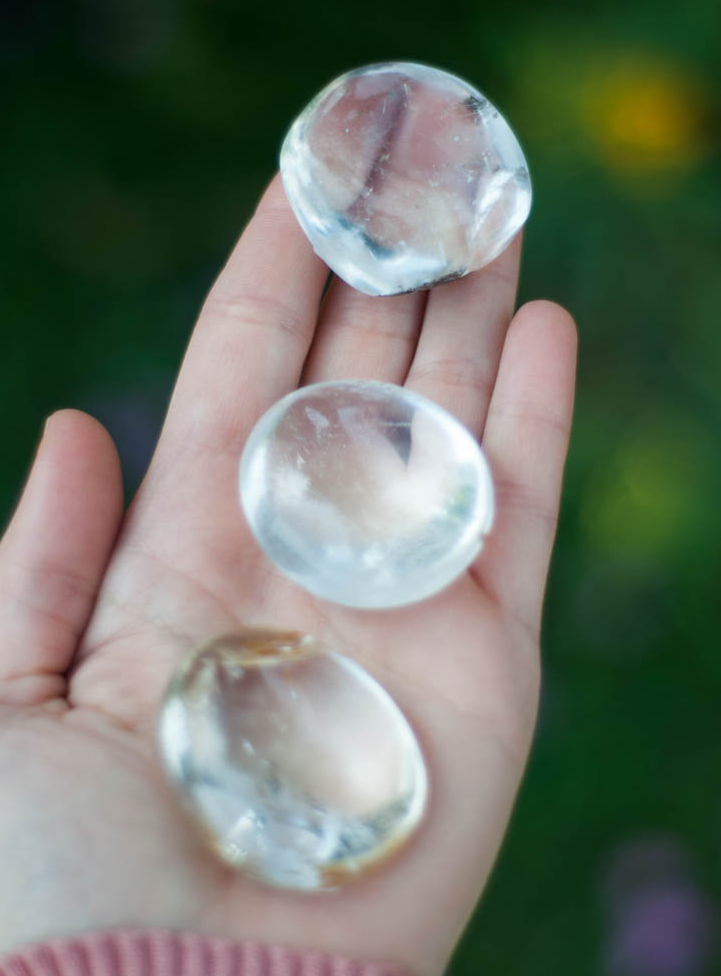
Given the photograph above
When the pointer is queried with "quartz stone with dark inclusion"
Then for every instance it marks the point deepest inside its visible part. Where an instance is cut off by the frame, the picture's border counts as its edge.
(365, 493)
(296, 764)
(403, 176)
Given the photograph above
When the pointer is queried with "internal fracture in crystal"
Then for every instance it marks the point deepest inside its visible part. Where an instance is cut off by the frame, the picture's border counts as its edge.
(296, 764)
(365, 493)
(403, 176)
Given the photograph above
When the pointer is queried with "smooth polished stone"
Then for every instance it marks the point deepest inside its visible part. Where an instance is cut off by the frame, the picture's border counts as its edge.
(366, 493)
(403, 176)
(297, 765)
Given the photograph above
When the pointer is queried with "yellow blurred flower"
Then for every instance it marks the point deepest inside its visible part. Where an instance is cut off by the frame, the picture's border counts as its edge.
(644, 115)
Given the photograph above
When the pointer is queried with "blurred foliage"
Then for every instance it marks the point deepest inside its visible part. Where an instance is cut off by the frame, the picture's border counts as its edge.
(136, 137)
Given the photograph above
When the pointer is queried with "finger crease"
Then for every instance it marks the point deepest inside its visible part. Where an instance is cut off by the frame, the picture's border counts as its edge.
(528, 414)
(458, 374)
(512, 494)
(259, 312)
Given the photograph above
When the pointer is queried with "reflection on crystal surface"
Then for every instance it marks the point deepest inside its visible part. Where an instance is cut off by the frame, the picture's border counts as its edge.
(403, 176)
(298, 765)
(365, 493)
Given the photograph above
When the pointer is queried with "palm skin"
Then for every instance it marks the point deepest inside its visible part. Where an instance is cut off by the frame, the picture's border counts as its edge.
(98, 607)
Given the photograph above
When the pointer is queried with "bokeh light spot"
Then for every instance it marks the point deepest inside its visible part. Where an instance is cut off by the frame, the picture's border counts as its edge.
(647, 500)
(644, 114)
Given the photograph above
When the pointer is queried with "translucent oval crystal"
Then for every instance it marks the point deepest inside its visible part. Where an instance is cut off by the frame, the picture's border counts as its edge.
(403, 176)
(296, 763)
(366, 493)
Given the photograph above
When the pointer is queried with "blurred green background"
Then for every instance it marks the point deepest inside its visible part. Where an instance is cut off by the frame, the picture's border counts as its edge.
(135, 138)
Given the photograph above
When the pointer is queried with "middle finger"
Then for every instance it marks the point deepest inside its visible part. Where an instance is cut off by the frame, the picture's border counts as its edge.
(460, 345)
(364, 337)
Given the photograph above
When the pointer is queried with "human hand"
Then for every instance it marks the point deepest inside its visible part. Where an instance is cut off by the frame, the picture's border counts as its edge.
(96, 609)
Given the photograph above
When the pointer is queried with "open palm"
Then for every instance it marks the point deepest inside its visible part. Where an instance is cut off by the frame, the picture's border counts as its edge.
(97, 608)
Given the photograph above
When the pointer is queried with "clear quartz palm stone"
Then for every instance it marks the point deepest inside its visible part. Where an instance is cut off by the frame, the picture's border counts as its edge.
(295, 762)
(403, 176)
(365, 493)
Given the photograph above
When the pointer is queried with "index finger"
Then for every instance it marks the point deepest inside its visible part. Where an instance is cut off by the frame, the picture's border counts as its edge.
(252, 335)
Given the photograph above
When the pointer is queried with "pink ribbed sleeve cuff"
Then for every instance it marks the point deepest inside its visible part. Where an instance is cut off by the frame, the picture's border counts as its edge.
(156, 953)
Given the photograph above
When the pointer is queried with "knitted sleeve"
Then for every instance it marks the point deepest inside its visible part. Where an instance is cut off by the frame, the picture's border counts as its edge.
(164, 953)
